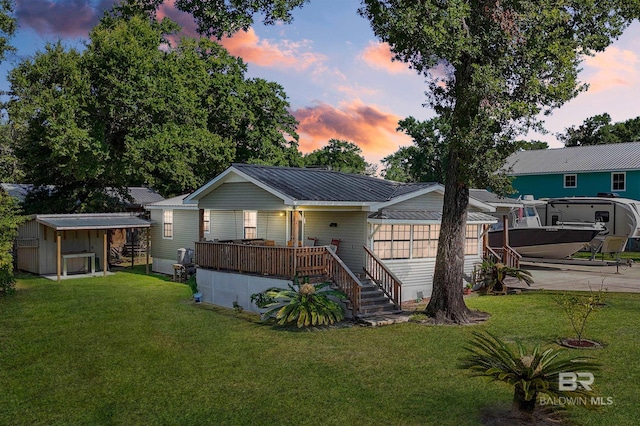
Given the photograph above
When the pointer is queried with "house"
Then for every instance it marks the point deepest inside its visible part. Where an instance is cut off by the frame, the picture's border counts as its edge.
(578, 171)
(175, 226)
(268, 222)
(61, 244)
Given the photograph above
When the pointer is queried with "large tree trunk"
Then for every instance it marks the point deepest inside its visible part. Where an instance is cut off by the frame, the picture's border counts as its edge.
(446, 303)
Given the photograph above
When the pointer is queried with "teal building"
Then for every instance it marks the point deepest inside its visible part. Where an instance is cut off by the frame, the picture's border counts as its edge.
(577, 171)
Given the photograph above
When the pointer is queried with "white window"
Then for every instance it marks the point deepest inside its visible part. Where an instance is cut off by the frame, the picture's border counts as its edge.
(618, 181)
(471, 239)
(425, 241)
(167, 224)
(393, 242)
(570, 181)
(250, 224)
(206, 222)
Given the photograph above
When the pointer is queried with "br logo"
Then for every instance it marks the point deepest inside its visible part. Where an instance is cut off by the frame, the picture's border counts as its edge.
(572, 381)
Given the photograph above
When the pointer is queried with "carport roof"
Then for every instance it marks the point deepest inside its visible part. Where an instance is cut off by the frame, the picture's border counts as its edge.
(89, 221)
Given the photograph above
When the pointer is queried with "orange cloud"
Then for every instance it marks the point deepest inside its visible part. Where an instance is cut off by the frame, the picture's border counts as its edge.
(378, 55)
(613, 67)
(248, 46)
(373, 130)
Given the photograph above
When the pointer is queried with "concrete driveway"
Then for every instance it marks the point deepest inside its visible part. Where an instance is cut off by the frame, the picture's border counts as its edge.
(548, 276)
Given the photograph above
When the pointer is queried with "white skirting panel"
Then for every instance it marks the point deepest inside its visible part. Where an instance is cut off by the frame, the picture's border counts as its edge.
(223, 288)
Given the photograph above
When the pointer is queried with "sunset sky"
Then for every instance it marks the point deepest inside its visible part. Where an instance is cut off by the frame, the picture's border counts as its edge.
(340, 80)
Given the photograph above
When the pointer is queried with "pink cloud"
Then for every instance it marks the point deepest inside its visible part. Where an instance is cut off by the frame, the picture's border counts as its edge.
(378, 55)
(612, 68)
(372, 129)
(248, 46)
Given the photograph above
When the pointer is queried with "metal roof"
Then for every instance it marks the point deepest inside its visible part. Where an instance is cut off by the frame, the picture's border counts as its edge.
(175, 202)
(143, 196)
(139, 194)
(493, 199)
(426, 215)
(89, 221)
(312, 184)
(610, 157)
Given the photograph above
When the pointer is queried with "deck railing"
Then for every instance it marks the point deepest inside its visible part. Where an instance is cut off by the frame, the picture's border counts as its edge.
(383, 277)
(506, 255)
(286, 262)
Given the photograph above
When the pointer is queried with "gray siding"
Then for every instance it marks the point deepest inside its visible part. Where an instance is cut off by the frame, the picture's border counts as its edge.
(240, 196)
(229, 225)
(27, 243)
(185, 233)
(351, 230)
(416, 275)
(431, 201)
(71, 241)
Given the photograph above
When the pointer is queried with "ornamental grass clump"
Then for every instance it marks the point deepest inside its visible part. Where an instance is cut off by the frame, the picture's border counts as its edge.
(305, 305)
(530, 372)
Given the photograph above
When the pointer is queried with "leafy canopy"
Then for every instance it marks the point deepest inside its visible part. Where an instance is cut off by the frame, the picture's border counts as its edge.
(599, 130)
(137, 109)
(340, 155)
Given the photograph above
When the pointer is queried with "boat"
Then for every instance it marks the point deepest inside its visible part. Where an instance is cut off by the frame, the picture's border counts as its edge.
(526, 233)
(620, 218)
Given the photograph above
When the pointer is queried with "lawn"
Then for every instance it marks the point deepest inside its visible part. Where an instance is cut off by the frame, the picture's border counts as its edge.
(133, 349)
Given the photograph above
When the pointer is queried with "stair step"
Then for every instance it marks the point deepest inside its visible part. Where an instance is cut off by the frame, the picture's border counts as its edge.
(373, 309)
(381, 300)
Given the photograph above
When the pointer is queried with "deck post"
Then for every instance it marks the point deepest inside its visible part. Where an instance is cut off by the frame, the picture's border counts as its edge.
(505, 231)
(58, 253)
(105, 255)
(147, 250)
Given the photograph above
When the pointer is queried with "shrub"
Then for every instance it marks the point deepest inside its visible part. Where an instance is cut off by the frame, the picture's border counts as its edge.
(530, 372)
(492, 276)
(305, 305)
(578, 308)
(7, 281)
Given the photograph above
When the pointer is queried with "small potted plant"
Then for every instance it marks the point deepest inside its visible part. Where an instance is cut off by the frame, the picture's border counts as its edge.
(467, 289)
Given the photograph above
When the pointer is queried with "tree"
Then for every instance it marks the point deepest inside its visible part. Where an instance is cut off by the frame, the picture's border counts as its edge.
(9, 221)
(342, 156)
(506, 62)
(531, 145)
(598, 130)
(224, 17)
(7, 26)
(425, 160)
(133, 109)
(10, 170)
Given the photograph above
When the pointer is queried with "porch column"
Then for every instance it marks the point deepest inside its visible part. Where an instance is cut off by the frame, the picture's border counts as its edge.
(105, 253)
(200, 224)
(294, 231)
(58, 253)
(505, 231)
(485, 238)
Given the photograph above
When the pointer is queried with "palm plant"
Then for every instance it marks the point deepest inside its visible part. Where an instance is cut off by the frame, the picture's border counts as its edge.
(493, 274)
(530, 372)
(306, 304)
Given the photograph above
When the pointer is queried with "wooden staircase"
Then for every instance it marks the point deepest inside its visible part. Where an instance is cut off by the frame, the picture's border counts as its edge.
(373, 301)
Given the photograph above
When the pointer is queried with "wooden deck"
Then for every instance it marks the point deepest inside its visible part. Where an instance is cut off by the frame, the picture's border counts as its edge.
(283, 262)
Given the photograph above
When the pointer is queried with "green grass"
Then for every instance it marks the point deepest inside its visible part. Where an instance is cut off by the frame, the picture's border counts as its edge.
(133, 349)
